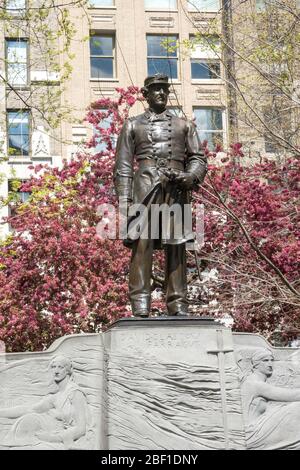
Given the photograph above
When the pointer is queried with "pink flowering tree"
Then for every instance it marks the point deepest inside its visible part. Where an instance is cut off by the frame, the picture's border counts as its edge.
(57, 276)
(251, 257)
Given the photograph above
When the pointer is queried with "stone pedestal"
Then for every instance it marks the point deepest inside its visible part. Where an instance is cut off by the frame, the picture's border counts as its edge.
(172, 383)
(152, 384)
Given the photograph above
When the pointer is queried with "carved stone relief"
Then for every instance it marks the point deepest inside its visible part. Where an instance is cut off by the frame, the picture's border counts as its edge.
(53, 400)
(270, 391)
(173, 389)
(152, 385)
(40, 143)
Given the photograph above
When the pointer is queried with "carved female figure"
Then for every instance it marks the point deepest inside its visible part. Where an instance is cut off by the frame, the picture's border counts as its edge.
(58, 421)
(272, 413)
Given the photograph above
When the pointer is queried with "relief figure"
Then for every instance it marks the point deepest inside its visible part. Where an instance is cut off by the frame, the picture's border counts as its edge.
(272, 413)
(57, 421)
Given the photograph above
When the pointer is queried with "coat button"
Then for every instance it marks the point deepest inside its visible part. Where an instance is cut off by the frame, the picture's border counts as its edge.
(161, 163)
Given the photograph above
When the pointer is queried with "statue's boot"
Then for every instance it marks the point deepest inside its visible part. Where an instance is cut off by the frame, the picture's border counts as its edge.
(140, 277)
(141, 307)
(176, 281)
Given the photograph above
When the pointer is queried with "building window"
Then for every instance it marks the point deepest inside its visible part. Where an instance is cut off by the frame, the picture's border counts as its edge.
(210, 126)
(101, 3)
(277, 119)
(160, 4)
(102, 48)
(15, 7)
(105, 123)
(261, 5)
(14, 187)
(18, 133)
(176, 111)
(205, 58)
(162, 56)
(16, 61)
(270, 145)
(17, 196)
(204, 5)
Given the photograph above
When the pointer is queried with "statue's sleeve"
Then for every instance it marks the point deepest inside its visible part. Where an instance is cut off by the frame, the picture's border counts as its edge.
(196, 160)
(123, 170)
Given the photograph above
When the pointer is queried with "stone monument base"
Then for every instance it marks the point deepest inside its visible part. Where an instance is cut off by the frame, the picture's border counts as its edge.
(175, 383)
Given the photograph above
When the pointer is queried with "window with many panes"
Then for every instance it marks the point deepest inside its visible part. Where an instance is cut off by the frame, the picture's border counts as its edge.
(102, 50)
(101, 3)
(210, 125)
(203, 5)
(15, 7)
(16, 61)
(160, 4)
(18, 132)
(205, 58)
(162, 55)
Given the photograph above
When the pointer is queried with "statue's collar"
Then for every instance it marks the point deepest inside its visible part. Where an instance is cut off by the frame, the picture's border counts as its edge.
(152, 116)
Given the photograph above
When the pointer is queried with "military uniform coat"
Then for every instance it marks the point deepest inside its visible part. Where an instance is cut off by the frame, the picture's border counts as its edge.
(148, 145)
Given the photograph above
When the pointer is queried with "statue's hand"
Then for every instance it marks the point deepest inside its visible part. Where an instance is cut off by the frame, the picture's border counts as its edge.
(185, 180)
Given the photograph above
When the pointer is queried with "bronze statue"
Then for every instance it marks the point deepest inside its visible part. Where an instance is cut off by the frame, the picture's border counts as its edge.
(170, 162)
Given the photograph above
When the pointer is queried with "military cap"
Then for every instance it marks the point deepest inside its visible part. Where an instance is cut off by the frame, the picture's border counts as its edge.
(157, 78)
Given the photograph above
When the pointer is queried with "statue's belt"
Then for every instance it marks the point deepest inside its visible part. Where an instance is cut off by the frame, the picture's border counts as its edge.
(162, 163)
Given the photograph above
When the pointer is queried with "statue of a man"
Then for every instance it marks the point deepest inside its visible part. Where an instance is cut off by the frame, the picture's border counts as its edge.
(159, 159)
